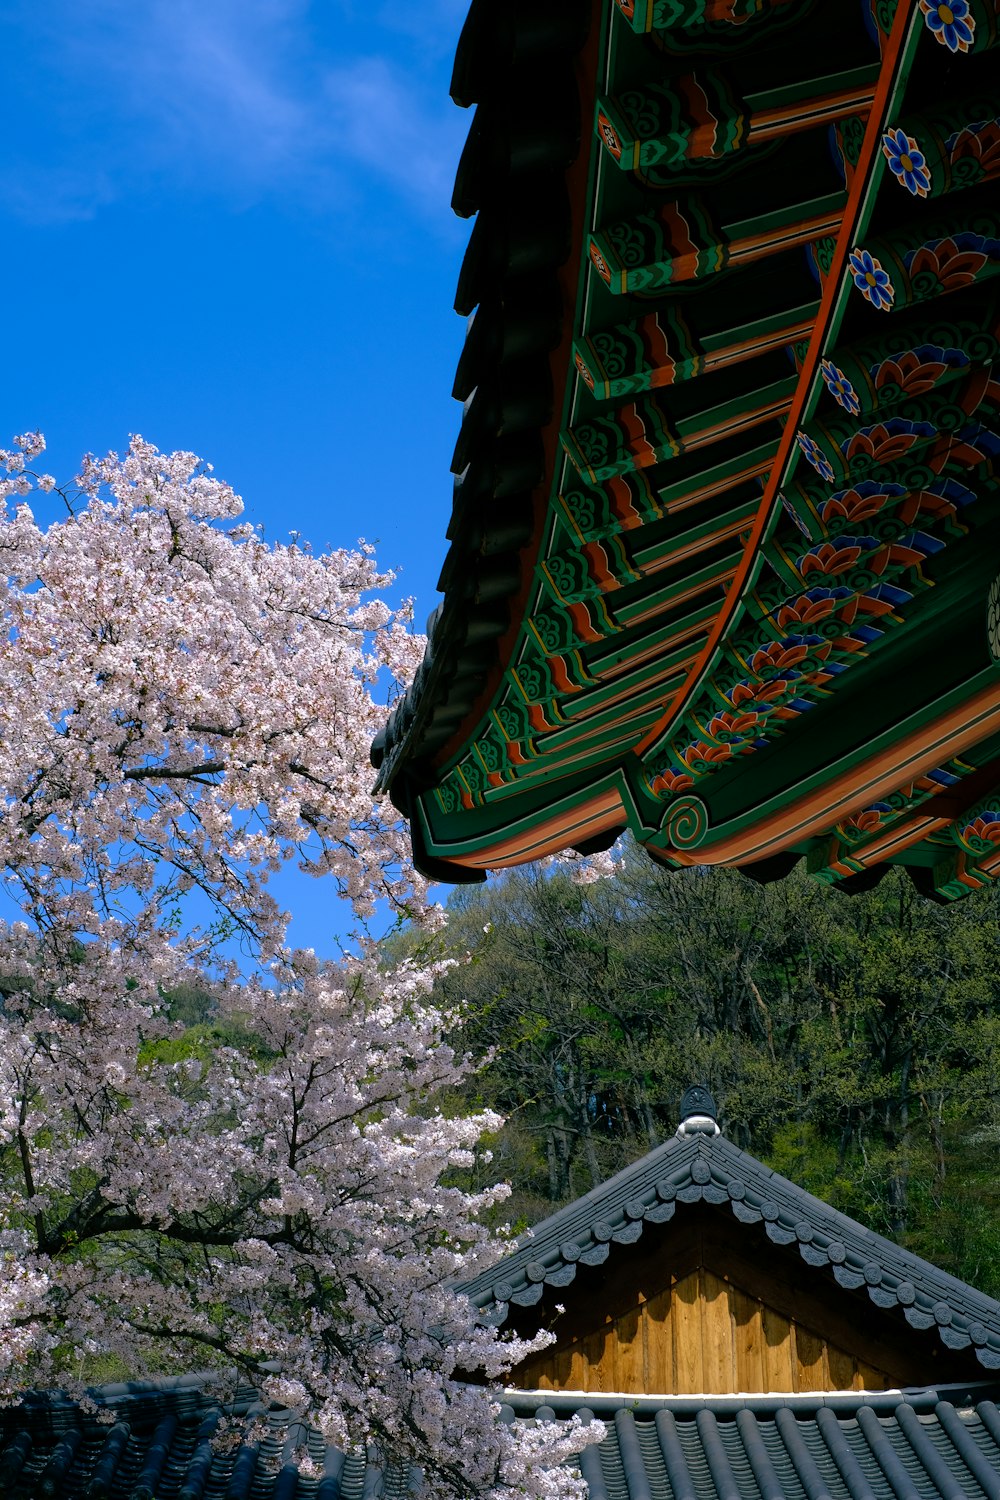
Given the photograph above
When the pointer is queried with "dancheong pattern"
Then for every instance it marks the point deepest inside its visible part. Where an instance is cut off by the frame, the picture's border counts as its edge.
(732, 580)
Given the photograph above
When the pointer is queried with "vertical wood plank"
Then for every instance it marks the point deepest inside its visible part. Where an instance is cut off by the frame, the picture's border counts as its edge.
(705, 1335)
(629, 1371)
(841, 1366)
(686, 1315)
(578, 1369)
(748, 1339)
(716, 1335)
(612, 1358)
(562, 1370)
(659, 1344)
(810, 1373)
(599, 1348)
(644, 1326)
(872, 1379)
(777, 1351)
(793, 1350)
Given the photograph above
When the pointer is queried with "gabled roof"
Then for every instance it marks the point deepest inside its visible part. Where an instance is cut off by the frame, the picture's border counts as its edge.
(701, 1168)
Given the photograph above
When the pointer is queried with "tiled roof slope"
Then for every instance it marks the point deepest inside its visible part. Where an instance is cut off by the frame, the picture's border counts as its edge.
(701, 1168)
(928, 1444)
(155, 1442)
(917, 1445)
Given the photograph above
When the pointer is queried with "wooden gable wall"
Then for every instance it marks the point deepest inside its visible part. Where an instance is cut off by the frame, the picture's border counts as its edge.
(700, 1334)
(708, 1307)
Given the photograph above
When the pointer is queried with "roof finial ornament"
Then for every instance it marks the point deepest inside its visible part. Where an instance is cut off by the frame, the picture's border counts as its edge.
(698, 1112)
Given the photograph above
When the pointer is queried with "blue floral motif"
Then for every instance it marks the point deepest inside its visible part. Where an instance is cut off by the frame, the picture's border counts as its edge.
(907, 162)
(950, 23)
(815, 455)
(871, 280)
(840, 387)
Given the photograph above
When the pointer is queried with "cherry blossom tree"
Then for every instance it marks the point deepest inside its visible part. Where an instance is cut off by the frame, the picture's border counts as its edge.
(183, 709)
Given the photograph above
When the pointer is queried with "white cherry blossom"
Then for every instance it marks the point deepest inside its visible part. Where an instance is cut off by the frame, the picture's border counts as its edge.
(183, 709)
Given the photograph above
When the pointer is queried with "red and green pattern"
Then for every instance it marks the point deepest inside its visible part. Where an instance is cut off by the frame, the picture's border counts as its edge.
(759, 615)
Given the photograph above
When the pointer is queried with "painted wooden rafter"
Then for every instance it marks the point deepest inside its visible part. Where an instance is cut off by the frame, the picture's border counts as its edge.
(774, 477)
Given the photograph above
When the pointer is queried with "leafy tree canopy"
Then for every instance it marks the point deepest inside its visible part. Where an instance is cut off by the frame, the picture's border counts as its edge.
(853, 1042)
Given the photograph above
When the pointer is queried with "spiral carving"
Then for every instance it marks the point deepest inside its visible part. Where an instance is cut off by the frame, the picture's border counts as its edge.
(887, 528)
(925, 285)
(918, 477)
(950, 418)
(551, 631)
(889, 393)
(993, 619)
(613, 354)
(686, 822)
(984, 225)
(965, 172)
(981, 347)
(583, 507)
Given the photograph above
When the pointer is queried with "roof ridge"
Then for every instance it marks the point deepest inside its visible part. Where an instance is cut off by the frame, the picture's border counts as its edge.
(921, 1398)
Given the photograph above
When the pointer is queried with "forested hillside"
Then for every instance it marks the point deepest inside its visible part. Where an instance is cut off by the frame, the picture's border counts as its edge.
(852, 1042)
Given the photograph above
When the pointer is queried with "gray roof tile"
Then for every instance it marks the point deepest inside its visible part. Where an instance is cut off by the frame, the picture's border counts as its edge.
(159, 1447)
(928, 1444)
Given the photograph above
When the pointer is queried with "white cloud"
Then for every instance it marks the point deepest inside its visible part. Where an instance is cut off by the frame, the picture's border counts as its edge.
(381, 123)
(215, 77)
(244, 99)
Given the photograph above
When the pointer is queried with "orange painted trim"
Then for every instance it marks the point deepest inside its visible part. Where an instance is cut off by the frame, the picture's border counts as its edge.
(903, 835)
(951, 735)
(555, 766)
(867, 159)
(651, 653)
(770, 241)
(572, 750)
(665, 605)
(582, 625)
(715, 488)
(669, 559)
(583, 714)
(806, 113)
(733, 425)
(599, 815)
(734, 354)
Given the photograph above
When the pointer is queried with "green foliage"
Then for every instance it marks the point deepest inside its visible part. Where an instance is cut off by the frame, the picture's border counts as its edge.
(852, 1042)
(191, 1004)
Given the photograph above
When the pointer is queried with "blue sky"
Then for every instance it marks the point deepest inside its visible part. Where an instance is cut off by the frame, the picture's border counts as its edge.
(226, 226)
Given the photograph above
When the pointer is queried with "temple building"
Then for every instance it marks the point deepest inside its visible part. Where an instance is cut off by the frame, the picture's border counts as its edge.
(740, 1339)
(744, 1341)
(723, 562)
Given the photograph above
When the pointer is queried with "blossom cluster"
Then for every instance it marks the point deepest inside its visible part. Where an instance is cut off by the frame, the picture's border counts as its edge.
(184, 709)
